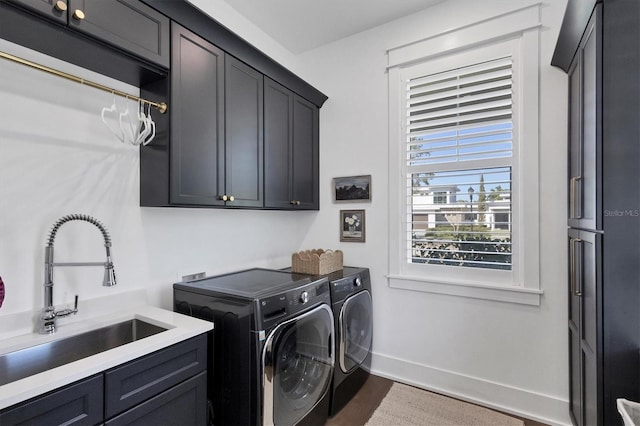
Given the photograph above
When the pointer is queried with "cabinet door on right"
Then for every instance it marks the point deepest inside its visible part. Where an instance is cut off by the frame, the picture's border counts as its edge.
(584, 128)
(305, 154)
(291, 149)
(278, 119)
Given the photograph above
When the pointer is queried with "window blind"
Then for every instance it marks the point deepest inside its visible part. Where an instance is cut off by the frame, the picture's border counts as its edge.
(459, 140)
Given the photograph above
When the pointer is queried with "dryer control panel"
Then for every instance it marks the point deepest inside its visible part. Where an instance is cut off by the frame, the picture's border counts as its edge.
(343, 287)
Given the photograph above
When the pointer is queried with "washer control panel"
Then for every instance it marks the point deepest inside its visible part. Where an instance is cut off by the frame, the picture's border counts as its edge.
(275, 308)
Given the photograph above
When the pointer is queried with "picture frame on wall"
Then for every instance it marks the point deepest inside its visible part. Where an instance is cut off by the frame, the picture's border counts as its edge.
(352, 188)
(352, 226)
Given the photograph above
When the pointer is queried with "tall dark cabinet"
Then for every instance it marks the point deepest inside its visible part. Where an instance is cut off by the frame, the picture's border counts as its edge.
(599, 48)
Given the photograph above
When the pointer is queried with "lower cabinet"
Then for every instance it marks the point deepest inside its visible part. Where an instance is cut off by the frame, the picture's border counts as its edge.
(167, 387)
(80, 403)
(584, 323)
(180, 405)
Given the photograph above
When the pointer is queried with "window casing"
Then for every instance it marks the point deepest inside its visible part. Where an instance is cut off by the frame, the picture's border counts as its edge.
(499, 164)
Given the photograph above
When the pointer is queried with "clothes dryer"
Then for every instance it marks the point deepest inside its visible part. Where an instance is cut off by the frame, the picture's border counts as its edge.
(353, 316)
(272, 346)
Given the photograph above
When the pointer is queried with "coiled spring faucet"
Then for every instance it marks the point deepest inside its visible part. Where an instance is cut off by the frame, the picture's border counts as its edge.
(49, 314)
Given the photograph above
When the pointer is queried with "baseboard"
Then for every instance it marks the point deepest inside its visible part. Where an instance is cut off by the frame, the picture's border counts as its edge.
(520, 402)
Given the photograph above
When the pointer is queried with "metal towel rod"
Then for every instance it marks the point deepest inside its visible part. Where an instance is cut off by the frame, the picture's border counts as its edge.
(161, 107)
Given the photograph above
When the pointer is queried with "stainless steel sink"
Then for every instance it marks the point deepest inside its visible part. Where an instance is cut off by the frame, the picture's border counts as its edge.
(36, 359)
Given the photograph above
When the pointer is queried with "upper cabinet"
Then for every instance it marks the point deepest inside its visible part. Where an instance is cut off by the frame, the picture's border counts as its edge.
(216, 126)
(291, 149)
(127, 24)
(197, 120)
(237, 138)
(54, 9)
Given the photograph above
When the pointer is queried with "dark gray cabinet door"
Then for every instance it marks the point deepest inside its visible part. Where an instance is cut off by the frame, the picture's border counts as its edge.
(182, 405)
(127, 24)
(305, 154)
(52, 9)
(584, 130)
(584, 325)
(197, 120)
(139, 380)
(78, 404)
(291, 149)
(244, 142)
(278, 120)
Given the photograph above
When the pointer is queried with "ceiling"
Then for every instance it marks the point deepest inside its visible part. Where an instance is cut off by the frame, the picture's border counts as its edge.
(301, 25)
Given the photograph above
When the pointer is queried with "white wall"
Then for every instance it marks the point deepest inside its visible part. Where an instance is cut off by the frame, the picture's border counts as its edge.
(56, 158)
(510, 356)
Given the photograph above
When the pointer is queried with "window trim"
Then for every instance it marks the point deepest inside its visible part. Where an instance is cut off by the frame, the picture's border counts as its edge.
(521, 29)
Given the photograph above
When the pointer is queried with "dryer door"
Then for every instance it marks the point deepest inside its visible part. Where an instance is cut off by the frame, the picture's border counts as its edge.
(356, 330)
(298, 360)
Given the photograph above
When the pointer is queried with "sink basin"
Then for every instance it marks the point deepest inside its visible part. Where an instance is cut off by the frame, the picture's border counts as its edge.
(36, 359)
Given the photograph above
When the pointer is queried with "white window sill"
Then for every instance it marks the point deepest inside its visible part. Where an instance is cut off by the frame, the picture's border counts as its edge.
(520, 295)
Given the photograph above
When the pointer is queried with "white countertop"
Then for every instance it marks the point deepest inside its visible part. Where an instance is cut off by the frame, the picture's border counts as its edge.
(179, 327)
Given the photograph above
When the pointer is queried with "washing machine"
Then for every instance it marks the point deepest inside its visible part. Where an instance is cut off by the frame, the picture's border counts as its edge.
(272, 348)
(353, 314)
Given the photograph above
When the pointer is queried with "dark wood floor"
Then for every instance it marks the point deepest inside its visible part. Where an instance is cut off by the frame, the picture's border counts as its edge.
(365, 402)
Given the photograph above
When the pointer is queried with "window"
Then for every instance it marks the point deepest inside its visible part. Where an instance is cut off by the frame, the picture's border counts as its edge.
(463, 135)
(459, 135)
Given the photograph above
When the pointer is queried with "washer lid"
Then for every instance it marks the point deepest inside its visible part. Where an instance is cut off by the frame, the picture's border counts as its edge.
(251, 283)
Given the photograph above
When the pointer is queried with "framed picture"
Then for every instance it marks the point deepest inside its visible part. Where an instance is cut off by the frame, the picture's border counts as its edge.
(352, 226)
(352, 188)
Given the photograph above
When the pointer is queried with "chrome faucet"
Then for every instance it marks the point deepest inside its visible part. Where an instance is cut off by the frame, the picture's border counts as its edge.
(49, 314)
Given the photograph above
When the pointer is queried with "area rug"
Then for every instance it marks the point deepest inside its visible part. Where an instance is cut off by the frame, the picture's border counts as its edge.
(407, 406)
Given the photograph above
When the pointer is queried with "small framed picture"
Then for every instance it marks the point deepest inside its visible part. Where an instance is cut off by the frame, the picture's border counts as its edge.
(352, 226)
(352, 188)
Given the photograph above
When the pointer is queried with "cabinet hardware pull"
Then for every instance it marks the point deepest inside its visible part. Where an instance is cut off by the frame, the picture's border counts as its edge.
(78, 14)
(231, 198)
(577, 270)
(572, 265)
(223, 198)
(572, 200)
(295, 202)
(576, 207)
(60, 6)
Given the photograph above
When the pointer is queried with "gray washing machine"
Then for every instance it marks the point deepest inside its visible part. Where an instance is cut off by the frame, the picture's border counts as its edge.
(272, 350)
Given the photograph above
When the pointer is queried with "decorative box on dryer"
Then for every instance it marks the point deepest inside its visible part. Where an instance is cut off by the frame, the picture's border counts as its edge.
(316, 261)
